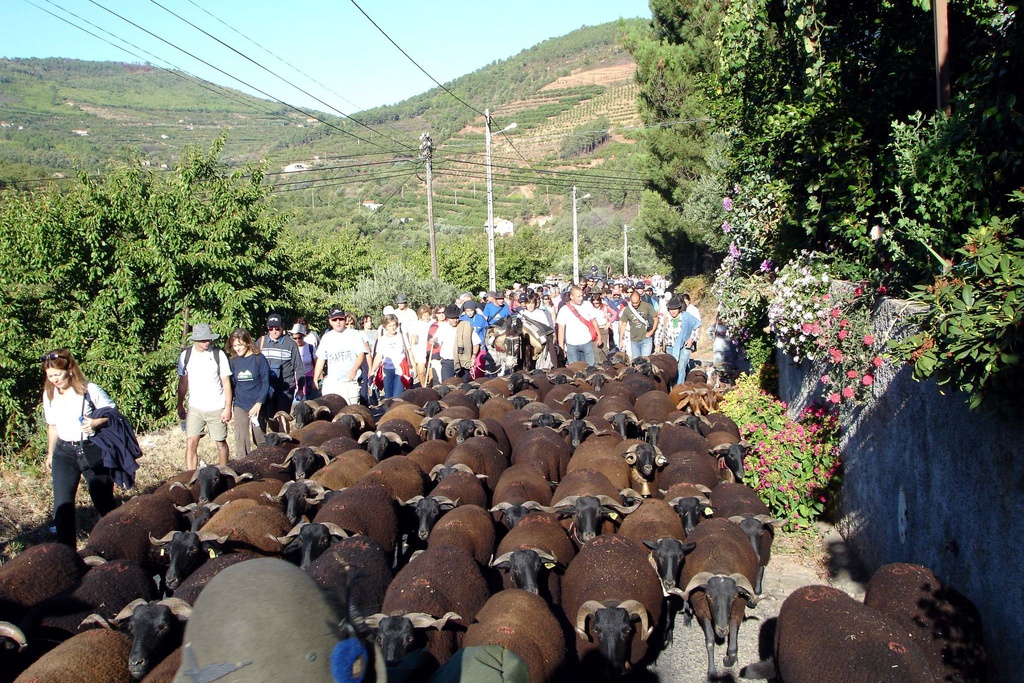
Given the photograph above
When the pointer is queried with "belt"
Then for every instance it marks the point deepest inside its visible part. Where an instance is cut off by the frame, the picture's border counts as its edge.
(74, 443)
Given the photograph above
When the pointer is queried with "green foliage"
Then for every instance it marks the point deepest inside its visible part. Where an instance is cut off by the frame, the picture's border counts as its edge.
(971, 334)
(585, 139)
(793, 465)
(117, 270)
(390, 278)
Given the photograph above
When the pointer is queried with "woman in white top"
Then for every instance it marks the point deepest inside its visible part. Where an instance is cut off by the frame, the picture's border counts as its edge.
(418, 334)
(68, 403)
(389, 353)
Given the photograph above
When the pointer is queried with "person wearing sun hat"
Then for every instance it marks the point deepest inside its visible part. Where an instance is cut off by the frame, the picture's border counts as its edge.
(204, 375)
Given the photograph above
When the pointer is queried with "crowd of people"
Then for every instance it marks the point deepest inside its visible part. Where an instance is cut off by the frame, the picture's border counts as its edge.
(365, 360)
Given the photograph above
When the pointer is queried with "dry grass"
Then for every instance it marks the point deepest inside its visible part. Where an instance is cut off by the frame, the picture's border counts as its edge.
(26, 496)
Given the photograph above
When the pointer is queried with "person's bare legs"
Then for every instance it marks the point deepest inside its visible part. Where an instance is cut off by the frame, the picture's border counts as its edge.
(222, 452)
(191, 452)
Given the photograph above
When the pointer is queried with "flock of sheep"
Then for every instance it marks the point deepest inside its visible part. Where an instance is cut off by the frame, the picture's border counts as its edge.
(567, 517)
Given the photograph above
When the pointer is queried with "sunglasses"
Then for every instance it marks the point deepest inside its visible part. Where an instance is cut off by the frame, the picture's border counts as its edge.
(53, 355)
(274, 327)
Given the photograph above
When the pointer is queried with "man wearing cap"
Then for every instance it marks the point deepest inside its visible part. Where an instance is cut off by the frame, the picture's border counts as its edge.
(471, 315)
(204, 374)
(496, 309)
(286, 374)
(679, 329)
(458, 342)
(342, 351)
(406, 316)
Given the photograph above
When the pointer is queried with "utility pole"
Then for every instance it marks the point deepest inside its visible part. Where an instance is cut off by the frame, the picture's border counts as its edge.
(625, 250)
(427, 151)
(491, 279)
(575, 242)
(940, 19)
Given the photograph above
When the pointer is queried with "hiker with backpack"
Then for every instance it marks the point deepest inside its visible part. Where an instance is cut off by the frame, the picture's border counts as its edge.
(204, 376)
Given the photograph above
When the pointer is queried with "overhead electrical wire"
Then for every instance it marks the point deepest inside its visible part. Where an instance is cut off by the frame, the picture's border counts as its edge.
(276, 75)
(235, 78)
(344, 181)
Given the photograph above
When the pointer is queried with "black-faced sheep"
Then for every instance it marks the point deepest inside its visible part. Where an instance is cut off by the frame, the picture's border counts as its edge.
(644, 461)
(520, 489)
(823, 634)
(590, 502)
(156, 628)
(523, 623)
(248, 525)
(304, 461)
(943, 622)
(718, 576)
(298, 499)
(124, 532)
(740, 504)
(607, 589)
(365, 508)
(310, 540)
(213, 480)
(437, 586)
(536, 545)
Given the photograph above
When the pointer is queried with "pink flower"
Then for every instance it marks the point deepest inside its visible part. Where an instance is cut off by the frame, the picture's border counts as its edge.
(844, 322)
(867, 380)
(848, 392)
(833, 398)
(727, 204)
(836, 354)
(852, 374)
(843, 334)
(825, 379)
(877, 361)
(836, 313)
(858, 291)
(868, 340)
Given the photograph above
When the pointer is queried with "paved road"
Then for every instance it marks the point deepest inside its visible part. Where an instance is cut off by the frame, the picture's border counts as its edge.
(686, 661)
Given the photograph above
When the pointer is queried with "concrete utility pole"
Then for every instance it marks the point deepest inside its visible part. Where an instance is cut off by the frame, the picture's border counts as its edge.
(427, 151)
(576, 238)
(625, 250)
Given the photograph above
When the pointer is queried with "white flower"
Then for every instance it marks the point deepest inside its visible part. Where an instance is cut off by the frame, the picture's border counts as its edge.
(876, 232)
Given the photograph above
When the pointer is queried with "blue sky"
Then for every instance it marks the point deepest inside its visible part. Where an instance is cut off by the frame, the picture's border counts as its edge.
(330, 41)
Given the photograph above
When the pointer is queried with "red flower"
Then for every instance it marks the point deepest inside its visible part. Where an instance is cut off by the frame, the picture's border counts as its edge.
(836, 354)
(882, 289)
(806, 327)
(836, 313)
(868, 340)
(843, 334)
(833, 398)
(867, 380)
(858, 291)
(877, 361)
(848, 392)
(852, 374)
(844, 322)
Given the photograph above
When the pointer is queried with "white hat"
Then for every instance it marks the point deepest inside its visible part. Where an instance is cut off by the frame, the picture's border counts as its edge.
(299, 328)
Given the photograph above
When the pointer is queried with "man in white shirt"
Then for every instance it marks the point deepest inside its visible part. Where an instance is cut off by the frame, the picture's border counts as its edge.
(204, 374)
(342, 351)
(574, 333)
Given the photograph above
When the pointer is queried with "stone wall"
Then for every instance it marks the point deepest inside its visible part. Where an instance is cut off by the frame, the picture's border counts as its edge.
(928, 481)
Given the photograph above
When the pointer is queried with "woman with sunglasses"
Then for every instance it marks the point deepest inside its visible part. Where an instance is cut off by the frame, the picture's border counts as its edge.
(69, 401)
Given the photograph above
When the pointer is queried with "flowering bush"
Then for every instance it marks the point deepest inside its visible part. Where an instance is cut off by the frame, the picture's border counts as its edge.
(793, 465)
(799, 310)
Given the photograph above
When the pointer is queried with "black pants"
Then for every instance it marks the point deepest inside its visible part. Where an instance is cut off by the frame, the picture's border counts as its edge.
(68, 467)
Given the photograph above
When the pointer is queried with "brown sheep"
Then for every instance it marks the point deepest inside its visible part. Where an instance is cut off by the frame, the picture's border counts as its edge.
(520, 488)
(616, 389)
(248, 525)
(590, 503)
(38, 573)
(338, 445)
(365, 508)
(667, 365)
(420, 396)
(408, 412)
(521, 622)
(401, 477)
(260, 462)
(653, 406)
(691, 468)
(544, 449)
(430, 454)
(252, 490)
(495, 408)
(717, 422)
(740, 504)
(318, 433)
(718, 576)
(673, 438)
(608, 587)
(469, 527)
(939, 619)
(124, 532)
(482, 456)
(543, 534)
(463, 487)
(345, 470)
(93, 655)
(604, 460)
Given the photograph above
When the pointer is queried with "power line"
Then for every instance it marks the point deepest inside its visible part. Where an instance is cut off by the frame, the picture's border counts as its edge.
(235, 78)
(578, 174)
(565, 184)
(288, 64)
(415, 63)
(274, 74)
(346, 181)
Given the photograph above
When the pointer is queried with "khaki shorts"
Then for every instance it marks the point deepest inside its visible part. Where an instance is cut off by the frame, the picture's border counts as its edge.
(198, 420)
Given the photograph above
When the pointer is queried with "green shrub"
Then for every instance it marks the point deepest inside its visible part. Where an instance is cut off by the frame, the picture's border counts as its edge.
(793, 465)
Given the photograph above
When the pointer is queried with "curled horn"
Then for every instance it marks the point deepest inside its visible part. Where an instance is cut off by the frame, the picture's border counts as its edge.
(295, 531)
(451, 430)
(632, 416)
(659, 458)
(224, 469)
(534, 505)
(590, 396)
(9, 630)
(635, 607)
(98, 619)
(335, 529)
(608, 501)
(501, 559)
(631, 494)
(434, 470)
(179, 485)
(743, 584)
(481, 428)
(585, 610)
(127, 610)
(566, 503)
(445, 501)
(373, 621)
(630, 454)
(568, 398)
(284, 464)
(178, 607)
(463, 467)
(164, 540)
(698, 581)
(415, 499)
(365, 436)
(395, 438)
(320, 453)
(317, 492)
(501, 507)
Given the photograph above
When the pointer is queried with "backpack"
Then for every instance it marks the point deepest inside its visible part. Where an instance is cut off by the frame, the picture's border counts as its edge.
(188, 354)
